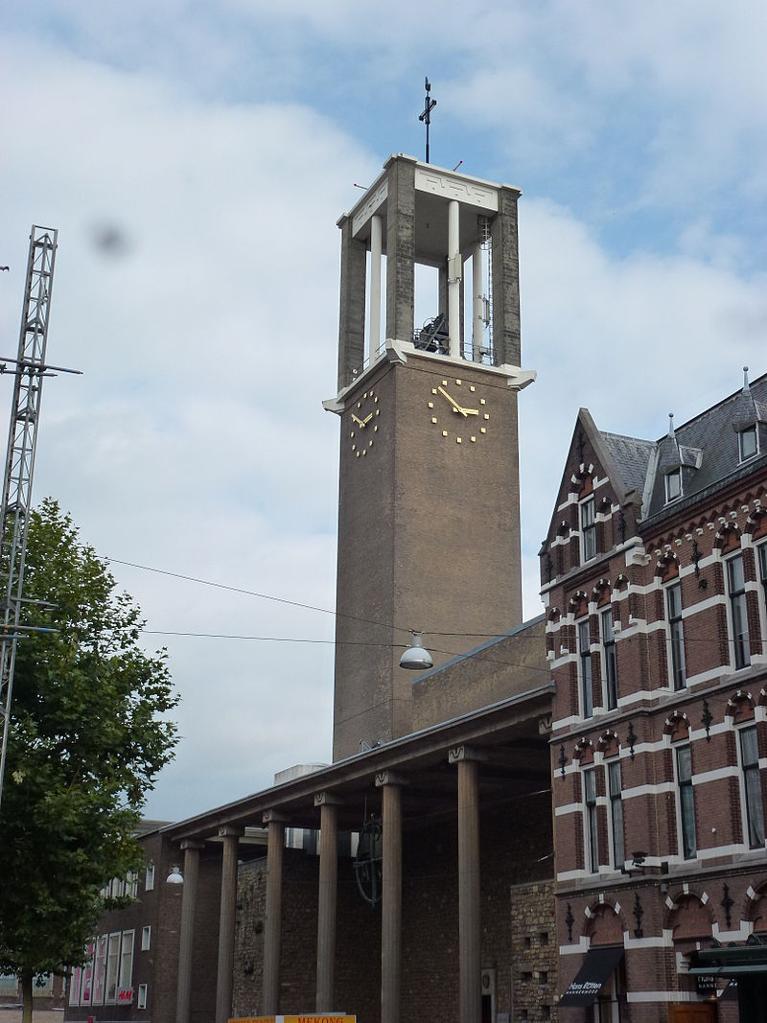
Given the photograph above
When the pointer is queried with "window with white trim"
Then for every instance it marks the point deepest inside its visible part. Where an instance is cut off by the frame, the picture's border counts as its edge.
(149, 878)
(676, 635)
(736, 591)
(584, 657)
(100, 970)
(752, 787)
(125, 981)
(673, 484)
(113, 968)
(142, 996)
(686, 802)
(86, 978)
(131, 884)
(609, 658)
(588, 530)
(748, 443)
(592, 834)
(616, 813)
(146, 938)
(74, 985)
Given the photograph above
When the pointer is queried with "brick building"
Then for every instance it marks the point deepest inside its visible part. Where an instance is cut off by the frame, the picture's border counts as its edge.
(654, 575)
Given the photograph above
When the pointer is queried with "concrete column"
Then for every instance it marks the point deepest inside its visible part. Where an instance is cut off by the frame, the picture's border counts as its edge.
(469, 919)
(275, 849)
(191, 871)
(400, 248)
(391, 896)
(376, 245)
(327, 902)
(351, 318)
(454, 275)
(505, 269)
(226, 922)
(478, 304)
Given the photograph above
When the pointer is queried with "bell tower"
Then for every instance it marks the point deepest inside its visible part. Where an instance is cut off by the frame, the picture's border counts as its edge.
(429, 535)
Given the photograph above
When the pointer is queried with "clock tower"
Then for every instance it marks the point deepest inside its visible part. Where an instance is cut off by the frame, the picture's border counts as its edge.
(428, 535)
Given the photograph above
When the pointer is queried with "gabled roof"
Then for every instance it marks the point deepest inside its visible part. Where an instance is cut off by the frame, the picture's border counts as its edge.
(705, 449)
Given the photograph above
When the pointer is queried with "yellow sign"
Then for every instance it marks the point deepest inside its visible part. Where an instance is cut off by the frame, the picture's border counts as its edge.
(307, 1017)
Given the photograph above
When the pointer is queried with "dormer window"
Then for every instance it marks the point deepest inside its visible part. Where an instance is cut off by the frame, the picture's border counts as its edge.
(673, 485)
(748, 444)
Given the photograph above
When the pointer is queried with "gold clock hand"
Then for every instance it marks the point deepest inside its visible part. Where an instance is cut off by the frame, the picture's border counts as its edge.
(358, 421)
(470, 411)
(452, 401)
(367, 419)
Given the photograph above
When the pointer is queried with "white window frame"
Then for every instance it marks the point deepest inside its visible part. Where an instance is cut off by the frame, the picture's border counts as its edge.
(609, 764)
(74, 985)
(125, 975)
(745, 726)
(149, 878)
(586, 623)
(141, 1000)
(677, 473)
(591, 855)
(146, 937)
(731, 648)
(678, 802)
(113, 959)
(669, 635)
(608, 609)
(100, 969)
(592, 527)
(753, 428)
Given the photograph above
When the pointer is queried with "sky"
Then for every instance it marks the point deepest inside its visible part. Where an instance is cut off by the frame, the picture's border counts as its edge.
(195, 158)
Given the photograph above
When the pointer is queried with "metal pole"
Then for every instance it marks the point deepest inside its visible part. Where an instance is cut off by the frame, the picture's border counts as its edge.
(20, 456)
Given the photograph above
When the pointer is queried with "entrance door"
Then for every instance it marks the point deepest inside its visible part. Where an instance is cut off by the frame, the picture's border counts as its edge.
(692, 1012)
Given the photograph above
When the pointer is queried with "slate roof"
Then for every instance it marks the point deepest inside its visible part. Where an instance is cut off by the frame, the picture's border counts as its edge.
(706, 448)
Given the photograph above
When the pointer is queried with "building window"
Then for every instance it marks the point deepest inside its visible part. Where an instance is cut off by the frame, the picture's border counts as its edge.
(616, 812)
(113, 966)
(736, 586)
(748, 443)
(676, 635)
(584, 652)
(124, 987)
(74, 985)
(588, 530)
(673, 485)
(610, 662)
(131, 884)
(149, 878)
(146, 938)
(590, 799)
(749, 761)
(99, 970)
(686, 801)
(141, 1000)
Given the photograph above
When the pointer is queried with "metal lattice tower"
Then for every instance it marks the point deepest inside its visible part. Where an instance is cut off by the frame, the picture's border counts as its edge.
(20, 457)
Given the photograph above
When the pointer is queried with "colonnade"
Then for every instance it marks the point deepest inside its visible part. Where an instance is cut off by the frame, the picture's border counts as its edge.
(391, 784)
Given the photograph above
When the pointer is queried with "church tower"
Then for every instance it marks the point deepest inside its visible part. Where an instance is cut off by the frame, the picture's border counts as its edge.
(429, 535)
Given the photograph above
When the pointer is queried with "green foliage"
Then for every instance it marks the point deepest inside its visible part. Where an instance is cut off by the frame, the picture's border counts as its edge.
(88, 737)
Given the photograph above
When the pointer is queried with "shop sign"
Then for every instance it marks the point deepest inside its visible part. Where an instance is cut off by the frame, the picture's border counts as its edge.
(309, 1017)
(125, 996)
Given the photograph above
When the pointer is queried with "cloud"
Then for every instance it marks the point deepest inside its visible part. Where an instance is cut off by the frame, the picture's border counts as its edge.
(195, 439)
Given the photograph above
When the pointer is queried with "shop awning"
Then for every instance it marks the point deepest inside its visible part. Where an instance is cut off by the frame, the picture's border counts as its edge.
(595, 971)
(731, 960)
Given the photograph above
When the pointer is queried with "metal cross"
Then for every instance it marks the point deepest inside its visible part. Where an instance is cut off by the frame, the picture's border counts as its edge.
(428, 105)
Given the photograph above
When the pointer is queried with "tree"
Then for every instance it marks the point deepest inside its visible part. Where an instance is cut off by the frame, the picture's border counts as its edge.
(87, 740)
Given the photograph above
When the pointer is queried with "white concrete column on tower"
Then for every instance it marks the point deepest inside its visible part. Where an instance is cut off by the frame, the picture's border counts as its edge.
(478, 319)
(454, 273)
(376, 246)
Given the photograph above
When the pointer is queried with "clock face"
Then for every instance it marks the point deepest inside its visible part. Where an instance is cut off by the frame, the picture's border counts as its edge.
(459, 411)
(362, 423)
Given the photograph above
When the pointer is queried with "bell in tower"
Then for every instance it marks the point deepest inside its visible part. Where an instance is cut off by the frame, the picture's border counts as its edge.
(429, 479)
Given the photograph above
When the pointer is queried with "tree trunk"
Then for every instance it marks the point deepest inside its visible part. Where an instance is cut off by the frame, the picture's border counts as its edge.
(27, 980)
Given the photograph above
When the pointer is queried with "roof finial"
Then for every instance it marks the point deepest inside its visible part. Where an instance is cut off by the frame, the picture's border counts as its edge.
(671, 424)
(745, 379)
